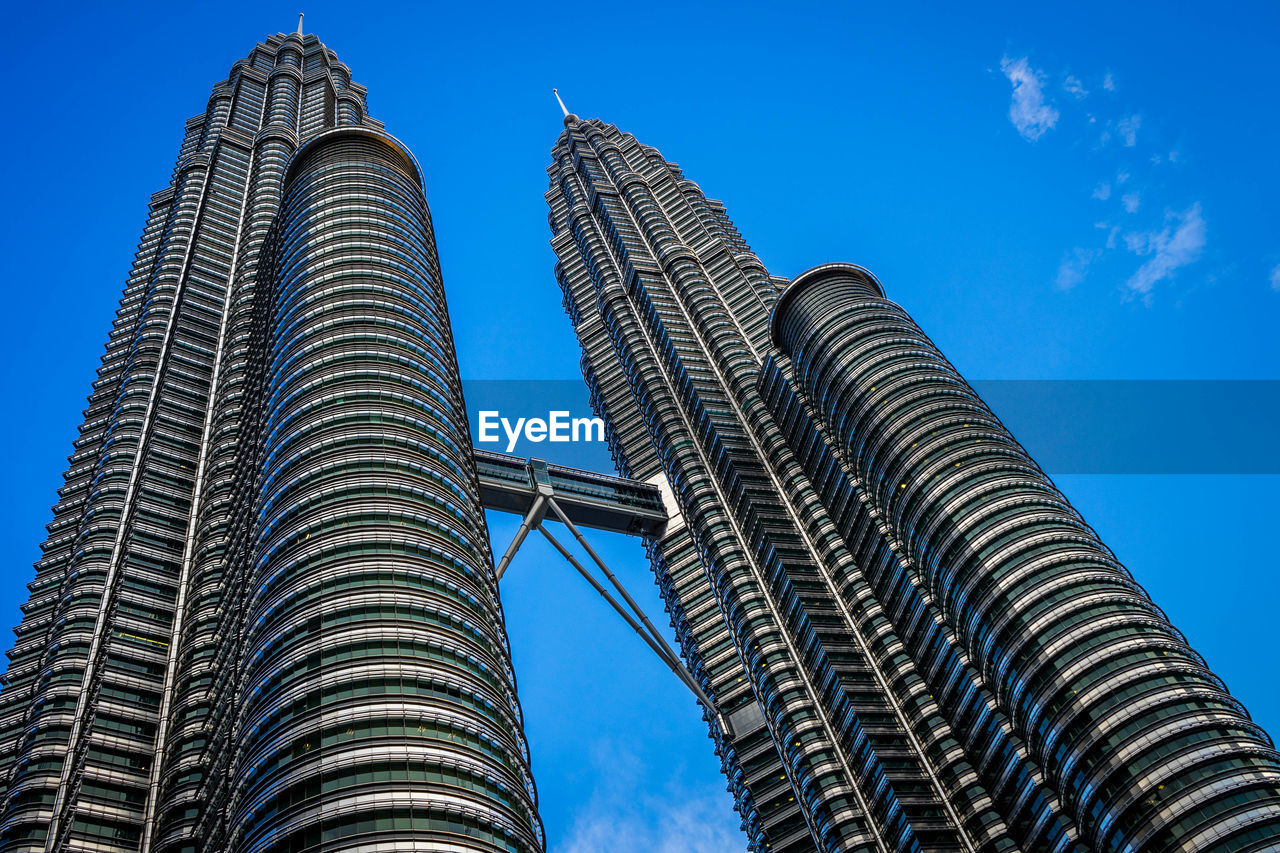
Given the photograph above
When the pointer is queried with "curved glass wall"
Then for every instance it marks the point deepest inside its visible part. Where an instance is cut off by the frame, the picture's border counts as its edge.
(378, 701)
(1145, 746)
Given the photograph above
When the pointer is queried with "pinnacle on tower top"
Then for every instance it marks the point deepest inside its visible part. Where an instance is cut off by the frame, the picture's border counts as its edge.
(569, 118)
(300, 15)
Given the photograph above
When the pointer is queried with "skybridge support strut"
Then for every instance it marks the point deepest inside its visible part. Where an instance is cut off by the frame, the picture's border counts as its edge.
(611, 503)
(531, 520)
(653, 640)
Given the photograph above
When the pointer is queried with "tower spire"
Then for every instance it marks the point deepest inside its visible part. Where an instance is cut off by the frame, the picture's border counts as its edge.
(569, 118)
(300, 15)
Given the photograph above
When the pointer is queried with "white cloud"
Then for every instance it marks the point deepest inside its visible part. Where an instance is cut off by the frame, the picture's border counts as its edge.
(1122, 177)
(1275, 278)
(1072, 269)
(1109, 82)
(1131, 202)
(1102, 191)
(627, 813)
(1179, 243)
(1127, 128)
(620, 825)
(1073, 86)
(1029, 112)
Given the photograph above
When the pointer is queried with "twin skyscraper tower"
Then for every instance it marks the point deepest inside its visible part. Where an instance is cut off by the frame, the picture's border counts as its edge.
(267, 615)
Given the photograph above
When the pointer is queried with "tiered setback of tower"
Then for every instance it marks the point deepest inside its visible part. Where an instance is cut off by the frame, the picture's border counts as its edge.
(919, 644)
(266, 617)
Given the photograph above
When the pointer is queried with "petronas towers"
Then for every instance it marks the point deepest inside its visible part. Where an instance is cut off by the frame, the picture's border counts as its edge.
(267, 617)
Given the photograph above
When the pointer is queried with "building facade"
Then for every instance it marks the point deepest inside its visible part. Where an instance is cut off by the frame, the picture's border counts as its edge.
(266, 617)
(917, 643)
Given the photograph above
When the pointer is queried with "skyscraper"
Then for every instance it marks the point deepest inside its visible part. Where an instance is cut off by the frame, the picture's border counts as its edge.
(266, 616)
(917, 643)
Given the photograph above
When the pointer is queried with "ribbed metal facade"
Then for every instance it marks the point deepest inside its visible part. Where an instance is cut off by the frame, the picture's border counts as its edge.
(919, 644)
(266, 617)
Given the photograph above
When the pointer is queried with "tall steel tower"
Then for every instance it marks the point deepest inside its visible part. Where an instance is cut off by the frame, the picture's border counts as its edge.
(915, 642)
(266, 617)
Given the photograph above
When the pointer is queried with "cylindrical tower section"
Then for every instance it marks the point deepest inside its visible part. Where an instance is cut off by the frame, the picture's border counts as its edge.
(282, 97)
(379, 703)
(349, 111)
(1145, 745)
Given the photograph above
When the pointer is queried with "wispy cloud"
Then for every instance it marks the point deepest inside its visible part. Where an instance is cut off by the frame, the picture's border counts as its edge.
(691, 826)
(1072, 86)
(1072, 269)
(1029, 111)
(626, 816)
(1179, 243)
(1275, 278)
(1127, 129)
(1133, 243)
(1113, 233)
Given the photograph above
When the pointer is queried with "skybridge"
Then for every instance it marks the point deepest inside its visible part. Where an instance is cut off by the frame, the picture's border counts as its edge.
(512, 483)
(540, 492)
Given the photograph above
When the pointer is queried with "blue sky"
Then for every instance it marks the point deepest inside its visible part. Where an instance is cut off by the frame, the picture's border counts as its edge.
(1081, 191)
